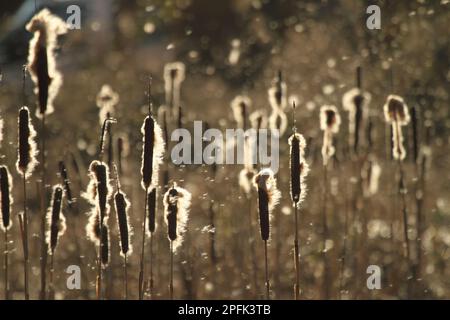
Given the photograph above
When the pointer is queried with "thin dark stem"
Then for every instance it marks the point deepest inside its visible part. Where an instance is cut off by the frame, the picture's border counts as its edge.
(297, 256)
(25, 238)
(151, 265)
(141, 272)
(252, 246)
(266, 264)
(171, 271)
(402, 191)
(51, 285)
(6, 265)
(420, 199)
(125, 272)
(344, 248)
(325, 233)
(43, 218)
(99, 265)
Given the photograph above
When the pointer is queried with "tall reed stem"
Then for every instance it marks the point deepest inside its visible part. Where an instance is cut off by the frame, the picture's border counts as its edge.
(125, 272)
(43, 218)
(297, 256)
(25, 239)
(252, 247)
(402, 191)
(326, 290)
(171, 272)
(344, 245)
(99, 266)
(266, 264)
(151, 265)
(141, 271)
(6, 266)
(51, 284)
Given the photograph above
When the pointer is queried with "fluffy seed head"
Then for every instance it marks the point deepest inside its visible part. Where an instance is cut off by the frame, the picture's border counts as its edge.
(99, 188)
(27, 152)
(277, 94)
(104, 246)
(268, 197)
(245, 179)
(356, 102)
(278, 120)
(174, 74)
(396, 110)
(258, 120)
(330, 119)
(299, 167)
(106, 100)
(93, 226)
(329, 123)
(241, 106)
(122, 205)
(41, 58)
(55, 219)
(66, 182)
(152, 152)
(176, 209)
(6, 199)
(151, 212)
(370, 174)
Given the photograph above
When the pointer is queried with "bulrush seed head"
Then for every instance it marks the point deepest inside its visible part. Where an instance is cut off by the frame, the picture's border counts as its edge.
(176, 209)
(299, 167)
(41, 58)
(152, 152)
(241, 106)
(27, 152)
(55, 219)
(268, 197)
(6, 199)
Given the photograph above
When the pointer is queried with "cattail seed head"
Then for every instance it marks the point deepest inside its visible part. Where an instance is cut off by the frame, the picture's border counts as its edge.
(277, 93)
(66, 182)
(93, 226)
(152, 152)
(151, 210)
(245, 179)
(299, 167)
(370, 174)
(41, 58)
(99, 188)
(104, 246)
(396, 110)
(258, 120)
(396, 113)
(122, 205)
(174, 74)
(330, 119)
(241, 106)
(356, 102)
(55, 219)
(106, 100)
(278, 120)
(176, 209)
(6, 199)
(268, 197)
(27, 153)
(329, 123)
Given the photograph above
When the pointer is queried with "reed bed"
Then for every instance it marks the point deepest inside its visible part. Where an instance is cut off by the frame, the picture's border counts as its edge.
(367, 189)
